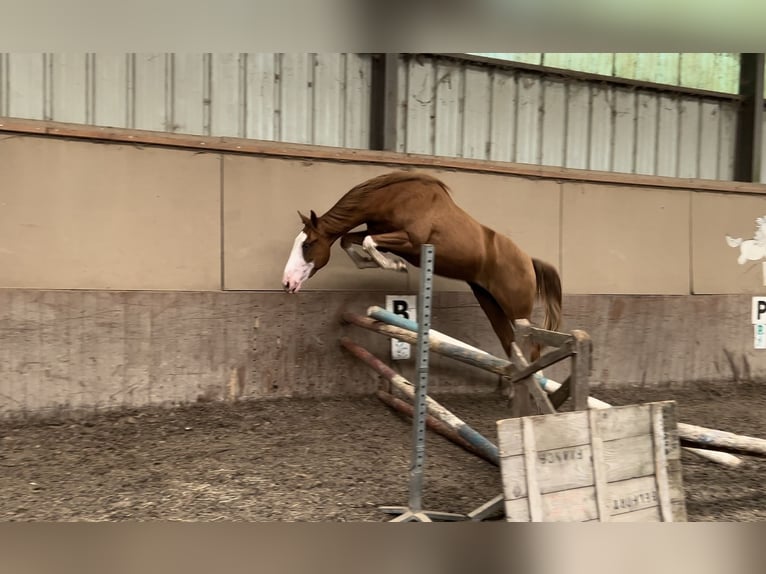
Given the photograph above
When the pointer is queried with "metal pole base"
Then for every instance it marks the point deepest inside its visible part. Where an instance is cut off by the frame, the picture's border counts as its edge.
(408, 515)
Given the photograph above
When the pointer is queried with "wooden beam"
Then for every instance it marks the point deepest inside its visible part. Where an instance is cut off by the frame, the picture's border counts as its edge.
(579, 380)
(550, 338)
(542, 402)
(218, 144)
(747, 158)
(438, 345)
(436, 425)
(560, 395)
(403, 386)
(721, 440)
(543, 362)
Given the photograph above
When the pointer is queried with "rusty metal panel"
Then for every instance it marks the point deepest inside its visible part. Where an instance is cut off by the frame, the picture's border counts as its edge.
(26, 81)
(528, 118)
(709, 139)
(554, 112)
(260, 87)
(578, 125)
(68, 81)
(419, 104)
(727, 137)
(667, 136)
(110, 104)
(688, 137)
(188, 94)
(296, 87)
(402, 99)
(148, 80)
(448, 96)
(328, 111)
(602, 100)
(476, 113)
(624, 137)
(357, 101)
(502, 144)
(227, 99)
(646, 132)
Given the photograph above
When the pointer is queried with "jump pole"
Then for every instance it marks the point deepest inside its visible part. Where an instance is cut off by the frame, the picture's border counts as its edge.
(402, 328)
(459, 431)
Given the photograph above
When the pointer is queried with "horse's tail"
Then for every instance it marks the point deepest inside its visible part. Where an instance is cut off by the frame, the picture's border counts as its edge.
(549, 290)
(733, 242)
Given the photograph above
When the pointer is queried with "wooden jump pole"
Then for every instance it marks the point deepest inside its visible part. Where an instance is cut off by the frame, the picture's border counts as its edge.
(445, 345)
(478, 442)
(436, 425)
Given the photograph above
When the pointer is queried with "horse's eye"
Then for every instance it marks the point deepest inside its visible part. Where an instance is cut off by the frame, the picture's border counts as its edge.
(305, 246)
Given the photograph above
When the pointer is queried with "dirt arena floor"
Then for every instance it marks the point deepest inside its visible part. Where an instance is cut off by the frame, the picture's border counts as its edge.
(312, 460)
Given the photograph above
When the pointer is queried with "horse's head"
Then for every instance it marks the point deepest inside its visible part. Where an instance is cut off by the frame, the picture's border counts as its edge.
(311, 252)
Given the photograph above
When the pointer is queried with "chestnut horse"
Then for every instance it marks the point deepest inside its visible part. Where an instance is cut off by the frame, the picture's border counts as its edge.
(402, 211)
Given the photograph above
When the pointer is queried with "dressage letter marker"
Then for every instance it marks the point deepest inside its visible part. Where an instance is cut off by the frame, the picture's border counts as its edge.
(759, 311)
(406, 307)
(760, 336)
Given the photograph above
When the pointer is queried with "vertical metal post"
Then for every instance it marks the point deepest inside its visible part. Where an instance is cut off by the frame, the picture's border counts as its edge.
(421, 384)
(384, 101)
(747, 159)
(414, 510)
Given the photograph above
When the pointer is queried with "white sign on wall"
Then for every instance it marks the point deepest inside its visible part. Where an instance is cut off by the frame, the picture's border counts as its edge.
(758, 313)
(759, 336)
(758, 316)
(406, 306)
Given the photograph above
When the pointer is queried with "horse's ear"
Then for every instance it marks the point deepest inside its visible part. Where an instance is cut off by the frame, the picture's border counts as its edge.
(313, 218)
(304, 219)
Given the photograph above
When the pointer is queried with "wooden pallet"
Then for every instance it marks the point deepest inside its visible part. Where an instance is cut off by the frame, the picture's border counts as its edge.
(618, 464)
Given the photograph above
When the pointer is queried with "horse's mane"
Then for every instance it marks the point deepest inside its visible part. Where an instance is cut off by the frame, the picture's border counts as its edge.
(337, 218)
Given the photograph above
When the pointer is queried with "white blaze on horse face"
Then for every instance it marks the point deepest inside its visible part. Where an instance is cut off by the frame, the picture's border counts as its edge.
(297, 270)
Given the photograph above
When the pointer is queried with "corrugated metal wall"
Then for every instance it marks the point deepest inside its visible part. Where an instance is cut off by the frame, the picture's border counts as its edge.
(447, 107)
(458, 109)
(717, 72)
(320, 99)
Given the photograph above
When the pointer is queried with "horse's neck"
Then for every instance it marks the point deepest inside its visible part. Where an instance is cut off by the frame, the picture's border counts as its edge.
(342, 218)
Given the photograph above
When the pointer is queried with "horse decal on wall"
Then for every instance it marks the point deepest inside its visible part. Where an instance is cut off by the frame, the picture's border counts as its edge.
(751, 249)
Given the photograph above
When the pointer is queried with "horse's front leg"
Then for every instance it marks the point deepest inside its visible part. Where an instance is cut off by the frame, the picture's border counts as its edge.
(352, 245)
(398, 241)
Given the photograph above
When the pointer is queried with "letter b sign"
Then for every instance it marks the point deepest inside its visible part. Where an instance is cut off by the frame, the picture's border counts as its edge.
(404, 305)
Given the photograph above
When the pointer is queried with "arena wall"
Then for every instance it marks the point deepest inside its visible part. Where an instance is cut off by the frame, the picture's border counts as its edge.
(138, 269)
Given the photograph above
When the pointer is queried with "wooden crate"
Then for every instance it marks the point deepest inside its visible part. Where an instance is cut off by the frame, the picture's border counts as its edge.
(616, 464)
